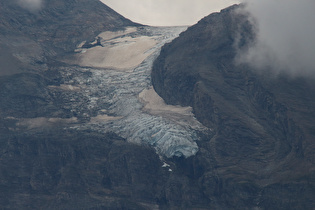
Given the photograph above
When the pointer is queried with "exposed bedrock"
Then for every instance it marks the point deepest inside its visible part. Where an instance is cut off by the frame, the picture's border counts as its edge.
(262, 124)
(77, 134)
(198, 69)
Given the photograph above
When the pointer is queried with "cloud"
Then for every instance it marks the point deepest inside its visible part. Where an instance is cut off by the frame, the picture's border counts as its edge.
(31, 5)
(285, 36)
(167, 12)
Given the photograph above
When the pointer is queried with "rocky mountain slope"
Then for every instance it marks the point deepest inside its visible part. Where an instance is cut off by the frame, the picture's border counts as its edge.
(61, 114)
(29, 37)
(263, 141)
(82, 128)
(60, 25)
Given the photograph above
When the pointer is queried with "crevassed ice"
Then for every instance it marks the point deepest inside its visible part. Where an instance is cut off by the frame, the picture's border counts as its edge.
(117, 92)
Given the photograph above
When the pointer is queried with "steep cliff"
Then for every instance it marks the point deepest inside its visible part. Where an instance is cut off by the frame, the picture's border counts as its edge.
(61, 122)
(262, 125)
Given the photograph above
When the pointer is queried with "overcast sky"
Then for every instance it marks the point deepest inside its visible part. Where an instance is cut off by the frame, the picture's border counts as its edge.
(167, 12)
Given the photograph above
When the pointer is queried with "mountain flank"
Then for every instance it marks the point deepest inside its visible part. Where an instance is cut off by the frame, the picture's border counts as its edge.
(263, 125)
(87, 135)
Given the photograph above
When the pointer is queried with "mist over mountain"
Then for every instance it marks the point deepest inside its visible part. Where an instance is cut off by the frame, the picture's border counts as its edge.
(262, 123)
(285, 33)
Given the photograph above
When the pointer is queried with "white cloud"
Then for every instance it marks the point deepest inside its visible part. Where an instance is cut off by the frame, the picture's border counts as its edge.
(31, 5)
(285, 36)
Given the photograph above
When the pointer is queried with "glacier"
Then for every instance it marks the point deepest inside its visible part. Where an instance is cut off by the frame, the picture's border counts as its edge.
(111, 93)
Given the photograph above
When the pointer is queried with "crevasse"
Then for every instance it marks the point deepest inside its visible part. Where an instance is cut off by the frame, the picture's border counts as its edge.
(116, 93)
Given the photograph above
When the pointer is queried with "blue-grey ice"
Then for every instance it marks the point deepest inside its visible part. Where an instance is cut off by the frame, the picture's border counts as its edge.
(115, 93)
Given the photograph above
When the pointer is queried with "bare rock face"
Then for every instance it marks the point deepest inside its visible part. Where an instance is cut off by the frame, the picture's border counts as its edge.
(61, 25)
(263, 140)
(31, 37)
(76, 135)
(57, 146)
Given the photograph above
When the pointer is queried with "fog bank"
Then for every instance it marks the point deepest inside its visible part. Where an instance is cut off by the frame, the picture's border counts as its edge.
(285, 36)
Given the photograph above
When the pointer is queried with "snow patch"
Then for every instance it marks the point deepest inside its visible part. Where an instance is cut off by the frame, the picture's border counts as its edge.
(165, 165)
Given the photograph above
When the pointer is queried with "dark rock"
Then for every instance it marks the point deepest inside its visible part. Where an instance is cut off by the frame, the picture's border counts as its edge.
(60, 25)
(260, 125)
(30, 42)
(68, 167)
(22, 93)
(258, 154)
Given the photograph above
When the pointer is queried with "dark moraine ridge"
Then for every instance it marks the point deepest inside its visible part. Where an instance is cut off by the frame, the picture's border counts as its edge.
(263, 142)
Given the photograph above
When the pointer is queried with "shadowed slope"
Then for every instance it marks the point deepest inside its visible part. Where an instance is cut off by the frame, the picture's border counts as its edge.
(263, 126)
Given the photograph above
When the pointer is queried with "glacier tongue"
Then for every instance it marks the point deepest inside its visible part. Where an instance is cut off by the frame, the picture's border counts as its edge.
(113, 94)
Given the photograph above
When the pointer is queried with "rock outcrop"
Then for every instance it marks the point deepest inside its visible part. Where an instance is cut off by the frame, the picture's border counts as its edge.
(56, 148)
(57, 145)
(31, 39)
(59, 25)
(262, 140)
